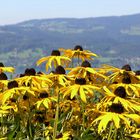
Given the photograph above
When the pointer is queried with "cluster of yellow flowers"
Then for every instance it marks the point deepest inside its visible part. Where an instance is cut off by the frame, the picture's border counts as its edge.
(71, 100)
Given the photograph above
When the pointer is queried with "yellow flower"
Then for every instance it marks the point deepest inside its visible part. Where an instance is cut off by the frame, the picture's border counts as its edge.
(107, 68)
(131, 89)
(55, 58)
(13, 89)
(116, 115)
(119, 96)
(78, 52)
(123, 75)
(46, 102)
(34, 81)
(85, 72)
(59, 77)
(79, 88)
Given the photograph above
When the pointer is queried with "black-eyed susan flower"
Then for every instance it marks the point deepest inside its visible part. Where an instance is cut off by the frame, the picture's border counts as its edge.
(78, 52)
(37, 81)
(123, 75)
(55, 58)
(119, 96)
(46, 102)
(59, 77)
(117, 115)
(131, 89)
(44, 99)
(104, 69)
(80, 88)
(13, 89)
(85, 71)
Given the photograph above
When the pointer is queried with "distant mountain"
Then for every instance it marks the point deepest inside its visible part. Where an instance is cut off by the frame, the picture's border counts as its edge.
(111, 37)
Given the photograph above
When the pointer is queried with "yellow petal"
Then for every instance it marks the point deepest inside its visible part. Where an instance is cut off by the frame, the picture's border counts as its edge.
(134, 117)
(7, 69)
(39, 103)
(41, 60)
(74, 91)
(46, 103)
(137, 136)
(7, 95)
(82, 94)
(134, 90)
(58, 60)
(104, 121)
(116, 120)
(125, 120)
(108, 92)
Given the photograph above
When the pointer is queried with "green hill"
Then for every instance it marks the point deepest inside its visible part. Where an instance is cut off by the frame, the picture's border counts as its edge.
(116, 39)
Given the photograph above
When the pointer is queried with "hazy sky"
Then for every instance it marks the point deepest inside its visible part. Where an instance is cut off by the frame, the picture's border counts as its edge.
(13, 11)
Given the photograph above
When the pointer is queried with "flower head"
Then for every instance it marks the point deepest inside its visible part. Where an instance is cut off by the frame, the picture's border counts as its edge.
(55, 58)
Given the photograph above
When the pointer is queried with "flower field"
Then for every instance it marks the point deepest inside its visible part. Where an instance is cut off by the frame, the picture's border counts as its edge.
(70, 101)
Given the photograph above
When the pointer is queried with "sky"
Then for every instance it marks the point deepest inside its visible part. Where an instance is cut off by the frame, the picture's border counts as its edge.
(14, 11)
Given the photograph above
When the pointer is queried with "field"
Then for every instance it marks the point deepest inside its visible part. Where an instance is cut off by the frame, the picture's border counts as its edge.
(71, 100)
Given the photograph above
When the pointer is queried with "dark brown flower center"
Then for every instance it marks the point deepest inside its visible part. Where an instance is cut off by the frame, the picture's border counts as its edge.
(13, 100)
(78, 47)
(120, 91)
(40, 119)
(21, 75)
(115, 82)
(60, 70)
(29, 72)
(40, 73)
(25, 97)
(85, 64)
(60, 135)
(126, 78)
(12, 84)
(69, 98)
(117, 108)
(137, 72)
(47, 123)
(43, 95)
(55, 53)
(3, 76)
(80, 81)
(1, 64)
(126, 67)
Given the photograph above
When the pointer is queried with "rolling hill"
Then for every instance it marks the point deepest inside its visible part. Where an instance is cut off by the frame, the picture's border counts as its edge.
(116, 39)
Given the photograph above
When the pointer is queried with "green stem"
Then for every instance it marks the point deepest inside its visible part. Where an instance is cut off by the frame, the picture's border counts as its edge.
(2, 124)
(110, 131)
(78, 60)
(56, 118)
(115, 135)
(72, 63)
(121, 133)
(29, 121)
(82, 111)
(83, 114)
